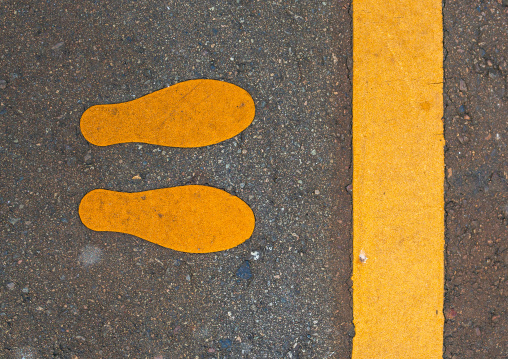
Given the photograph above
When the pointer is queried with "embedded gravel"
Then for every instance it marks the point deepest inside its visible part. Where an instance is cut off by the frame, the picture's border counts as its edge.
(476, 133)
(69, 292)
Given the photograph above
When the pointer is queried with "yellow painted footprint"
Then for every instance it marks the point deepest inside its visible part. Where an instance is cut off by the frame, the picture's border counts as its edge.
(193, 219)
(193, 113)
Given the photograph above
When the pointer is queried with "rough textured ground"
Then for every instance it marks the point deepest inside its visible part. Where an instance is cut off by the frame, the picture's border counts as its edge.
(476, 115)
(68, 292)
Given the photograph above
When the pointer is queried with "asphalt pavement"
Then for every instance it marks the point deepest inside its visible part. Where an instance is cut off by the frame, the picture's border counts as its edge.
(69, 292)
(476, 188)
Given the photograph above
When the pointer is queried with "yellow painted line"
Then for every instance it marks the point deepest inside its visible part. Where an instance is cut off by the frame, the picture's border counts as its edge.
(193, 113)
(398, 203)
(193, 219)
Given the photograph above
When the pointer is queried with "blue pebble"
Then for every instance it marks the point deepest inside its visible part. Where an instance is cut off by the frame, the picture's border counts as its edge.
(244, 271)
(225, 343)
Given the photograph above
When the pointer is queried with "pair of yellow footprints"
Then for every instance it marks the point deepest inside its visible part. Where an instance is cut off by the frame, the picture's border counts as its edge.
(194, 219)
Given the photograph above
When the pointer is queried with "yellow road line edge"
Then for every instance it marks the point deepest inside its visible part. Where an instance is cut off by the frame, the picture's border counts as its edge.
(398, 179)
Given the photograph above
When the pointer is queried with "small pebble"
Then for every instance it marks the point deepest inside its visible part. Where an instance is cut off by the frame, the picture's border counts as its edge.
(13, 221)
(363, 257)
(3, 84)
(244, 271)
(88, 158)
(10, 286)
(57, 46)
(462, 86)
(463, 139)
(450, 313)
(351, 332)
(493, 74)
(225, 343)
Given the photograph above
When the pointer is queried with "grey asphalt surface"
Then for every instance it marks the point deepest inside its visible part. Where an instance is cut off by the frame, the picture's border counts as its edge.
(476, 133)
(69, 292)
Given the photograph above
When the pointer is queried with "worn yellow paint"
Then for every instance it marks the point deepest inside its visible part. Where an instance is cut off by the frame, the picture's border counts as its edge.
(193, 219)
(193, 113)
(398, 205)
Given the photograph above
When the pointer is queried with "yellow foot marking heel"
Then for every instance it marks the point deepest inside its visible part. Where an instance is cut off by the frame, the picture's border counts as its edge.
(193, 219)
(193, 113)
